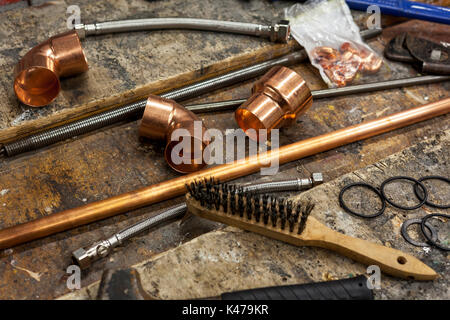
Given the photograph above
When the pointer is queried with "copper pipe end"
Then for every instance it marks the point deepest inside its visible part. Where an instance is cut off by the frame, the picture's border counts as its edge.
(162, 117)
(36, 76)
(279, 97)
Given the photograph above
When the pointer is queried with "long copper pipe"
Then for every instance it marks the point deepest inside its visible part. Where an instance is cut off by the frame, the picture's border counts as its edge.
(168, 189)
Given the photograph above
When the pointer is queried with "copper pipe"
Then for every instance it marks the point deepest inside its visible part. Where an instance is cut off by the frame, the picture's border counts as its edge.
(175, 187)
(160, 120)
(278, 98)
(36, 76)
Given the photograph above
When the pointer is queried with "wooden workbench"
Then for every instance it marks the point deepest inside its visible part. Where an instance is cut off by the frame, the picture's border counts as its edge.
(114, 160)
(230, 259)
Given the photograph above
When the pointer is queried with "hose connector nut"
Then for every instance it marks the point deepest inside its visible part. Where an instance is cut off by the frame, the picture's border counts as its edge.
(280, 32)
(278, 98)
(317, 178)
(85, 257)
(80, 30)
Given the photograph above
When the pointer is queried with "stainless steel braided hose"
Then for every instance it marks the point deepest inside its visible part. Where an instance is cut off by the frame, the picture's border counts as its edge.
(100, 249)
(278, 32)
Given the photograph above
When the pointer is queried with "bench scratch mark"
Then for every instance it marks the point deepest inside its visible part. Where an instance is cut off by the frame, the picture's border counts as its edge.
(34, 275)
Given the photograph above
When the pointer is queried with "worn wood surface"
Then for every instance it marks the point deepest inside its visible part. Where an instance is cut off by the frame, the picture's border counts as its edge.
(113, 160)
(231, 259)
(127, 67)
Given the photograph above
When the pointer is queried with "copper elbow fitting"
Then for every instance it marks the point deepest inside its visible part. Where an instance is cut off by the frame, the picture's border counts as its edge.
(36, 76)
(278, 98)
(161, 118)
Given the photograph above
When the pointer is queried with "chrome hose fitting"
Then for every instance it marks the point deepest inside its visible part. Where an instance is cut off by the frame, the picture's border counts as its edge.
(280, 32)
(85, 257)
(286, 185)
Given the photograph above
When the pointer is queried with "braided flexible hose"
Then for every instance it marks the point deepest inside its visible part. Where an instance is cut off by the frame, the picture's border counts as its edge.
(84, 257)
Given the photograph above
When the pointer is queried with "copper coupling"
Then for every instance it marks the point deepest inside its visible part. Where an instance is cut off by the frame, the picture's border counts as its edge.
(183, 131)
(278, 98)
(36, 76)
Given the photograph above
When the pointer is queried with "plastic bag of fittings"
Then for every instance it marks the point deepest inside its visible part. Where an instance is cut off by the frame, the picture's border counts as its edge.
(331, 38)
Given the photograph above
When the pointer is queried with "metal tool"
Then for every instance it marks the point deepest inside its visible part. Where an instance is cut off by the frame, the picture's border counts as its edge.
(403, 8)
(55, 134)
(426, 56)
(100, 249)
(95, 211)
(125, 284)
(135, 110)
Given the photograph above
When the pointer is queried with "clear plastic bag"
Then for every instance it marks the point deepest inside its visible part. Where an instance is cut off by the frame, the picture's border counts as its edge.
(331, 38)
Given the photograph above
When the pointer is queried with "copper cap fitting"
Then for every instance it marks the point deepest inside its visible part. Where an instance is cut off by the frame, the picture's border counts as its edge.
(278, 98)
(161, 118)
(36, 76)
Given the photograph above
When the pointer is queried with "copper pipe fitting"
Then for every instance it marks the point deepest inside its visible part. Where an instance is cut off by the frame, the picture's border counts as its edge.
(36, 76)
(370, 62)
(37, 73)
(160, 120)
(68, 219)
(278, 98)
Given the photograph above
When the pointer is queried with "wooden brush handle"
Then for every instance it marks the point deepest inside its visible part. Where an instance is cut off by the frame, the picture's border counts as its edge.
(390, 261)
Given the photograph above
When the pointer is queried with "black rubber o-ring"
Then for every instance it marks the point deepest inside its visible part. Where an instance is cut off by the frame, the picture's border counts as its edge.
(404, 232)
(429, 203)
(366, 185)
(425, 192)
(422, 226)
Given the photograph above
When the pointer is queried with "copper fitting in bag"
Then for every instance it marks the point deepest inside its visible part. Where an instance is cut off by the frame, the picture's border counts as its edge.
(278, 98)
(36, 76)
(162, 117)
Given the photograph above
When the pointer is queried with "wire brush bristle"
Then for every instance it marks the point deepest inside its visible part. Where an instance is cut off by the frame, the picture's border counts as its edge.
(231, 199)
